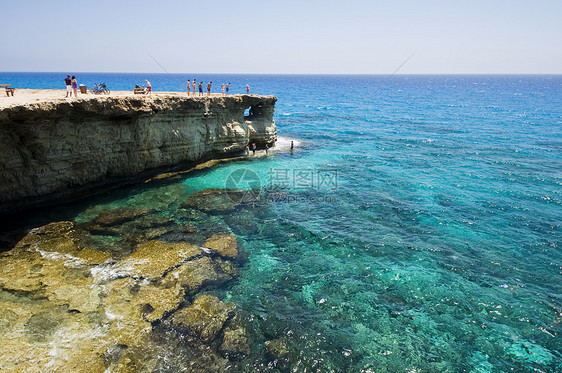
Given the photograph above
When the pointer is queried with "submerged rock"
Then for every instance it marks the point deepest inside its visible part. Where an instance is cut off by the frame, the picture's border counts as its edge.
(70, 307)
(235, 343)
(204, 319)
(220, 201)
(153, 258)
(277, 347)
(120, 215)
(224, 245)
(202, 272)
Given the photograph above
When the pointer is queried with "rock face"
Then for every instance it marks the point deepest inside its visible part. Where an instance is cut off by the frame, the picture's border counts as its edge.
(69, 149)
(68, 307)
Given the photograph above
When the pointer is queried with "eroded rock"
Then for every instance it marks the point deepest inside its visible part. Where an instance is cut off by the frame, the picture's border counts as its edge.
(195, 274)
(235, 342)
(224, 245)
(277, 347)
(75, 308)
(203, 319)
(153, 258)
(119, 216)
(213, 201)
(59, 150)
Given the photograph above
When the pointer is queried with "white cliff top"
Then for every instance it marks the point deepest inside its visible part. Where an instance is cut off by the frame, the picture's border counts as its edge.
(31, 96)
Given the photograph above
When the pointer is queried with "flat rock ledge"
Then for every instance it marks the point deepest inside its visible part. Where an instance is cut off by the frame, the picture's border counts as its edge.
(71, 306)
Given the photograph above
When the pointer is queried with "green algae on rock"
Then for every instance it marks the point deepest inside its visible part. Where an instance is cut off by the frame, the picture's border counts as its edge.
(70, 307)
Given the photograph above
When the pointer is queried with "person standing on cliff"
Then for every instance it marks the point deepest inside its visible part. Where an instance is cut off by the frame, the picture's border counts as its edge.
(188, 86)
(209, 88)
(222, 88)
(227, 88)
(200, 88)
(68, 83)
(247, 89)
(74, 85)
(193, 85)
(148, 86)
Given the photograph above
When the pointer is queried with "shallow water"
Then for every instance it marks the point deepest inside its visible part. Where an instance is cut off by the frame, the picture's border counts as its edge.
(415, 227)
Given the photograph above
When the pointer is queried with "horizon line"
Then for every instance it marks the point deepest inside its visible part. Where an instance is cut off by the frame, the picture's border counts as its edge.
(319, 74)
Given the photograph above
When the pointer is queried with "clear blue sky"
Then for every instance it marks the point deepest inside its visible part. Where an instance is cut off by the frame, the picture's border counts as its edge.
(247, 36)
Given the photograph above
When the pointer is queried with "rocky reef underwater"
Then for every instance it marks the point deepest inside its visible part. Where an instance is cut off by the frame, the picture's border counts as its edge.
(129, 289)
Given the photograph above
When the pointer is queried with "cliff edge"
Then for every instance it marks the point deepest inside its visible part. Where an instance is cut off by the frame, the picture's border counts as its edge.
(58, 150)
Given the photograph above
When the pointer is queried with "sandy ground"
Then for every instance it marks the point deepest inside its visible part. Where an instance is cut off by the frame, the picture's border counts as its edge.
(29, 96)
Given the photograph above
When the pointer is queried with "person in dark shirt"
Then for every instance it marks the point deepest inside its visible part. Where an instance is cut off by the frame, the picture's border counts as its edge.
(68, 83)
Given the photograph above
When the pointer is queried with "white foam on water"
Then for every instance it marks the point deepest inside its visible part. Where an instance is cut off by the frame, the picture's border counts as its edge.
(111, 271)
(112, 316)
(284, 143)
(67, 259)
(65, 340)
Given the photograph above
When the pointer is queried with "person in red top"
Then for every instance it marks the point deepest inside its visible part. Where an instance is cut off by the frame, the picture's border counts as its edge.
(247, 89)
(148, 86)
(209, 88)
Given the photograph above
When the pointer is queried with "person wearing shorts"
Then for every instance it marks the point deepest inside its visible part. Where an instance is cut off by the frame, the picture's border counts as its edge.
(227, 88)
(68, 82)
(148, 87)
(200, 88)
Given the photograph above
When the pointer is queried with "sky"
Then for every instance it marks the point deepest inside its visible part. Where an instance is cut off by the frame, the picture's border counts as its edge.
(283, 37)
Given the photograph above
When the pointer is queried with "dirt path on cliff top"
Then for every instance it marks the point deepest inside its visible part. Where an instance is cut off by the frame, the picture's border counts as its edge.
(31, 96)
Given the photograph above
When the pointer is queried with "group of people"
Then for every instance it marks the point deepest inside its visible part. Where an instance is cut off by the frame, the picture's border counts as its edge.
(71, 86)
(193, 88)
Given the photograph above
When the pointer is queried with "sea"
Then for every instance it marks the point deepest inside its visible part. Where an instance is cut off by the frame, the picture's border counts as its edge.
(419, 227)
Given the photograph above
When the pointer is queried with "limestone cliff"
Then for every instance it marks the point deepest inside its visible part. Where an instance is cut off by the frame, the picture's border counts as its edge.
(58, 150)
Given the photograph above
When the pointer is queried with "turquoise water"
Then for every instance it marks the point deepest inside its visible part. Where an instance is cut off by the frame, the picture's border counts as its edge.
(420, 229)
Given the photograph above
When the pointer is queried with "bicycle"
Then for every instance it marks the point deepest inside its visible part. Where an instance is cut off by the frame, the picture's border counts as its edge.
(100, 88)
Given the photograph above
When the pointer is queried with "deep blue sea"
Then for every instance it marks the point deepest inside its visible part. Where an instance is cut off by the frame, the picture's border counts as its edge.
(421, 229)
